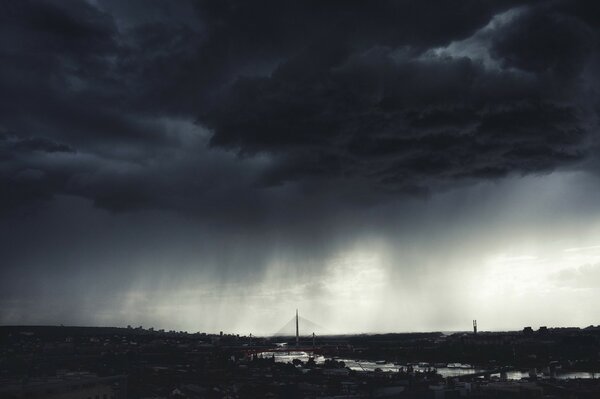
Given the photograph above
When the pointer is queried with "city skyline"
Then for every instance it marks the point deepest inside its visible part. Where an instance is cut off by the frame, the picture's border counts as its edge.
(212, 166)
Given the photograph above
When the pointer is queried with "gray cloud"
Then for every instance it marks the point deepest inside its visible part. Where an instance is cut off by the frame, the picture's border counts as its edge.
(148, 145)
(362, 101)
(583, 277)
(361, 98)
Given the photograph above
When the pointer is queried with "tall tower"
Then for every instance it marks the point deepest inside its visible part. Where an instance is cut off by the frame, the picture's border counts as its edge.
(474, 326)
(297, 335)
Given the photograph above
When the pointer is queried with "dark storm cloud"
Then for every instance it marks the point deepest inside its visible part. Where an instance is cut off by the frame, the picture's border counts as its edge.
(404, 123)
(267, 142)
(406, 118)
(98, 99)
(35, 144)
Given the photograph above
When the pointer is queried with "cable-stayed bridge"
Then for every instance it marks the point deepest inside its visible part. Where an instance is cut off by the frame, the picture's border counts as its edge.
(306, 328)
(297, 335)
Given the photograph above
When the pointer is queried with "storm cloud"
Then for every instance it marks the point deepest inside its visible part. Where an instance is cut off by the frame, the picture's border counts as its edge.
(279, 133)
(381, 93)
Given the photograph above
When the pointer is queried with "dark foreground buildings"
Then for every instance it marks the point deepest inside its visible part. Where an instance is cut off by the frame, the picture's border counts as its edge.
(116, 363)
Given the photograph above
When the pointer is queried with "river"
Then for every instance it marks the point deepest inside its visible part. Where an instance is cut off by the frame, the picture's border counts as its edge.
(367, 365)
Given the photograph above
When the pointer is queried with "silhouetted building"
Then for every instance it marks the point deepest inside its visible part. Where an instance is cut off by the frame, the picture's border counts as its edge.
(542, 330)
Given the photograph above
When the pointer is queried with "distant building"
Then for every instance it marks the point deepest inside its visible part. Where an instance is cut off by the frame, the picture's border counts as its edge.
(543, 330)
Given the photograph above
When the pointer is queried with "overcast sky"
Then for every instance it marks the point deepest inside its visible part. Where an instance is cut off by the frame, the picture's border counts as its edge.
(381, 166)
